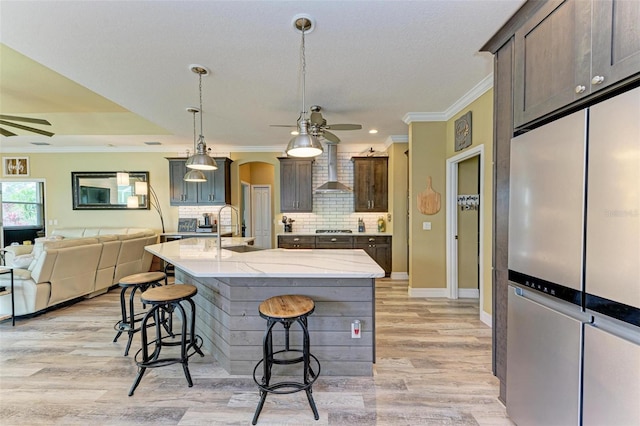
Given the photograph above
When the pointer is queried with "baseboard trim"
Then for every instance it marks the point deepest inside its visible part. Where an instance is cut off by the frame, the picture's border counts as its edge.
(486, 318)
(399, 276)
(469, 293)
(428, 292)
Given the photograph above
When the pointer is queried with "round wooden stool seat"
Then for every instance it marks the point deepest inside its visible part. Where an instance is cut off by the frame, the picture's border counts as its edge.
(168, 293)
(142, 278)
(286, 306)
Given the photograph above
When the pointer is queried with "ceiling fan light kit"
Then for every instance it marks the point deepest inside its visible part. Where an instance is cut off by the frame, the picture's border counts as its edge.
(200, 160)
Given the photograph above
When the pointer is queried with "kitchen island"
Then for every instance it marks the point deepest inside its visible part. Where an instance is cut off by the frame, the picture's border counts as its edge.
(233, 282)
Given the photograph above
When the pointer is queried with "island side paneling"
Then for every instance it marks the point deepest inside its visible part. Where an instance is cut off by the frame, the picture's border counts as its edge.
(232, 330)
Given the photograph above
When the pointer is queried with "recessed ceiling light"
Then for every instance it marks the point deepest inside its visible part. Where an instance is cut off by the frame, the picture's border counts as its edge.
(40, 143)
(373, 131)
(153, 143)
(295, 132)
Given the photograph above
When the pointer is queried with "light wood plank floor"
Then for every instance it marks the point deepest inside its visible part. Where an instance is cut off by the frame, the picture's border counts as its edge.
(433, 367)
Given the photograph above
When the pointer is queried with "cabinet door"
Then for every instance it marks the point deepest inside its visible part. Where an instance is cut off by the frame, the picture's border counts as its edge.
(181, 192)
(552, 59)
(616, 41)
(361, 173)
(222, 182)
(296, 193)
(304, 186)
(207, 190)
(379, 190)
(378, 247)
(370, 184)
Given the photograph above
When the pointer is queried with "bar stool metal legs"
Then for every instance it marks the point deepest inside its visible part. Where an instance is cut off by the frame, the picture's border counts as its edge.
(167, 300)
(128, 321)
(298, 314)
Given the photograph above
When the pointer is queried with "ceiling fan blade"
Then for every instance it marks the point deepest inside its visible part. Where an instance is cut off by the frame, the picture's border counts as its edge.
(282, 125)
(4, 132)
(345, 127)
(330, 137)
(27, 128)
(316, 118)
(25, 119)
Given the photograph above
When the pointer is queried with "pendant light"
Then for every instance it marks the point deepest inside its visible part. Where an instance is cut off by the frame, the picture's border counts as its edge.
(194, 175)
(200, 160)
(303, 144)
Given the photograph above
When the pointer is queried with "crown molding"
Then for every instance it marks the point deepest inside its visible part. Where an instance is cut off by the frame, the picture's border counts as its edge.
(410, 117)
(396, 139)
(473, 94)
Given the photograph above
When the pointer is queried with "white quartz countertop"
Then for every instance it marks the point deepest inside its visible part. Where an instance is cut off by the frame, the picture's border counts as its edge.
(200, 258)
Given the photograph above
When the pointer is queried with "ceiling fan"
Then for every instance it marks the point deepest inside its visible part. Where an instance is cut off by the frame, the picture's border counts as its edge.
(6, 120)
(318, 125)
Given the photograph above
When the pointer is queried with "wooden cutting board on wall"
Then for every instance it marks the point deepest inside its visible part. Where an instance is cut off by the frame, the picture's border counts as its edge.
(428, 200)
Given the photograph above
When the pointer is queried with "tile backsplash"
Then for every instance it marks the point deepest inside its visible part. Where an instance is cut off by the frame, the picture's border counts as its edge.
(330, 211)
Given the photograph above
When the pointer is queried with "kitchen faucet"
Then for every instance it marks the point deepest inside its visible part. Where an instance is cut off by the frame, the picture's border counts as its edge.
(220, 223)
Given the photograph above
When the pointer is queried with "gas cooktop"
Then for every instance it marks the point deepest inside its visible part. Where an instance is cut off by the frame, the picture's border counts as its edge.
(333, 231)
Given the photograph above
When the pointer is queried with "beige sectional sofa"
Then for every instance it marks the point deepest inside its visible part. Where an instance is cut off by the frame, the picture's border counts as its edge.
(73, 262)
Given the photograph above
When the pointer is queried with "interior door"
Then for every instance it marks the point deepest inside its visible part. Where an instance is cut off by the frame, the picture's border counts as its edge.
(261, 213)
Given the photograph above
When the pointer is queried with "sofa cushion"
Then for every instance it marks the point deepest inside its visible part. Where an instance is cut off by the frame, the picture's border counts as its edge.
(23, 261)
(68, 232)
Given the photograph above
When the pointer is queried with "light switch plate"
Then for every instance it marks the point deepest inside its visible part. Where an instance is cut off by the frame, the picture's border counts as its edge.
(426, 226)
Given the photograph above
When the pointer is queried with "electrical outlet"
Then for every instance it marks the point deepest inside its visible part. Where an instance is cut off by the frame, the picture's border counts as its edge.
(355, 329)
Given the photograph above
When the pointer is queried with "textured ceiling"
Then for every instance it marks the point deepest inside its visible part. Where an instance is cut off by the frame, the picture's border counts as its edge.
(110, 75)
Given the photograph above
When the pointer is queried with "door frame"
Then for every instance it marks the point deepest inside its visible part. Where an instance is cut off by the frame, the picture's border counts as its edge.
(452, 221)
(247, 206)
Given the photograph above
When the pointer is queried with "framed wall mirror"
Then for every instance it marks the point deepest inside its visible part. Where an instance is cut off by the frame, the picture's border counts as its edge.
(102, 191)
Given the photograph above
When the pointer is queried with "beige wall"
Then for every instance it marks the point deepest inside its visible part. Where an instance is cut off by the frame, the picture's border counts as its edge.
(427, 261)
(482, 134)
(430, 145)
(55, 170)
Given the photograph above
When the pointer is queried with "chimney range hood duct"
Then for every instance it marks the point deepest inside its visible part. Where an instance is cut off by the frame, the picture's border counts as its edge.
(332, 185)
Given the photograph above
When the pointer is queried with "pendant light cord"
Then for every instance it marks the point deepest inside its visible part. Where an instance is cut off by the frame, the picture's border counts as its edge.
(194, 132)
(304, 70)
(200, 89)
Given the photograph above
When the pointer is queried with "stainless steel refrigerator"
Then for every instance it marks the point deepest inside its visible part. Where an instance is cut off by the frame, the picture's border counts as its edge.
(573, 327)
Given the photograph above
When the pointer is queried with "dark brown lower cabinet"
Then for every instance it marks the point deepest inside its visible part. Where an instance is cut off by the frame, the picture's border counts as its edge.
(376, 246)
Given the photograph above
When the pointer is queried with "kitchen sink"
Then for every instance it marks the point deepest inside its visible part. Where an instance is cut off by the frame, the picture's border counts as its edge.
(242, 249)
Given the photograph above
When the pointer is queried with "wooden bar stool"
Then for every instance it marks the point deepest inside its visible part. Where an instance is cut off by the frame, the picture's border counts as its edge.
(286, 310)
(166, 300)
(135, 282)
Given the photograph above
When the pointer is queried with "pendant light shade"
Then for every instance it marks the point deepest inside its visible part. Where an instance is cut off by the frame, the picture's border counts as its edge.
(122, 178)
(195, 175)
(303, 144)
(200, 160)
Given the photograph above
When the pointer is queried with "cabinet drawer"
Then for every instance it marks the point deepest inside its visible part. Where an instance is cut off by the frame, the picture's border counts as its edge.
(371, 239)
(292, 242)
(335, 242)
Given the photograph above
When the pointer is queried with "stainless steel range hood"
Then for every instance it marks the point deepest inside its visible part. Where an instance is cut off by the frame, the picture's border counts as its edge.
(332, 185)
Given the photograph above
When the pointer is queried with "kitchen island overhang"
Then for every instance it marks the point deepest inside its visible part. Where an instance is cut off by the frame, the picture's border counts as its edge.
(232, 284)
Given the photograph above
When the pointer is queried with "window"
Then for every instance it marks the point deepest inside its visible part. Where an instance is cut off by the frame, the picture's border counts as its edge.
(22, 204)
